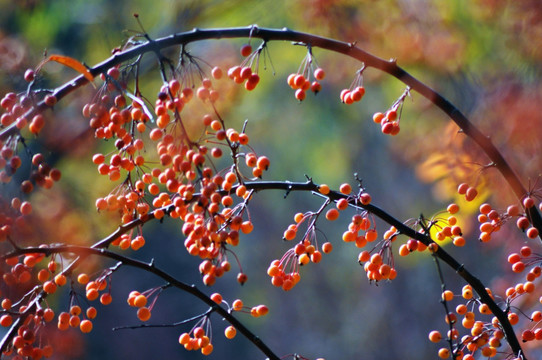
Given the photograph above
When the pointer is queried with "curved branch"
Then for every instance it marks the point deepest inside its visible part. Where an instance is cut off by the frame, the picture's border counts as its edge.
(341, 47)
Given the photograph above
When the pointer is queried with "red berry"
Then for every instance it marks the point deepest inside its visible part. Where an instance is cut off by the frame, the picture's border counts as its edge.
(246, 50)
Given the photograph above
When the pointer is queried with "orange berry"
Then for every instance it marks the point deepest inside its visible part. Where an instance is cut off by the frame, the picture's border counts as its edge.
(316, 256)
(207, 349)
(323, 189)
(49, 287)
(471, 193)
(485, 209)
(216, 72)
(199, 332)
(298, 217)
(484, 309)
(75, 310)
(91, 312)
(143, 314)
(453, 208)
(525, 251)
(230, 332)
(461, 309)
(60, 280)
(319, 74)
(447, 295)
(85, 326)
(376, 259)
(532, 233)
(435, 336)
(513, 318)
(528, 287)
(365, 198)
(528, 202)
(518, 267)
(404, 250)
(184, 338)
(316, 87)
(263, 163)
(246, 50)
(345, 188)
(106, 299)
(140, 300)
(444, 353)
(43, 275)
(459, 241)
(300, 94)
(327, 247)
(289, 234)
(371, 235)
(83, 279)
(48, 315)
(74, 321)
(237, 305)
(378, 117)
(462, 189)
(303, 259)
(332, 214)
(217, 298)
(242, 278)
(262, 310)
(467, 293)
(342, 204)
(349, 236)
(6, 320)
(512, 210)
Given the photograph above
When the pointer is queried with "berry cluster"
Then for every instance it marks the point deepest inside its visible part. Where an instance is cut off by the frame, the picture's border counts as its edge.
(389, 121)
(244, 73)
(301, 82)
(182, 182)
(356, 91)
(200, 336)
(469, 192)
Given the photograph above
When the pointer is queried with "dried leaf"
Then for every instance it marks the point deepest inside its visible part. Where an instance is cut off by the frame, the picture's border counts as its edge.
(74, 64)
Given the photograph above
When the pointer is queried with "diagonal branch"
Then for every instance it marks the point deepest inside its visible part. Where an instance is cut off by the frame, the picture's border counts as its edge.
(83, 251)
(99, 249)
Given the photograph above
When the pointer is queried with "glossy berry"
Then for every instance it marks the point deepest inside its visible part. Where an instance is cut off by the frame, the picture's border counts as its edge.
(246, 50)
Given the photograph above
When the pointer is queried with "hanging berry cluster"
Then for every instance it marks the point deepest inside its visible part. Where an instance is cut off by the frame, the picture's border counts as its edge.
(245, 72)
(301, 80)
(389, 121)
(356, 91)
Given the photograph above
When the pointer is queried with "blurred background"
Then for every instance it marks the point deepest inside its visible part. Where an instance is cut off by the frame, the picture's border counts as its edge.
(483, 55)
